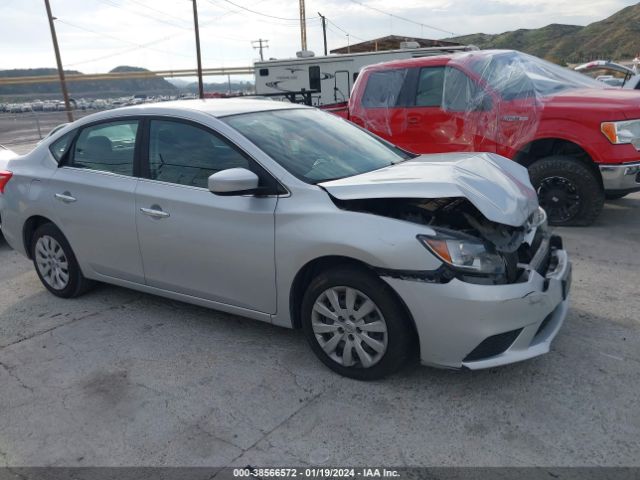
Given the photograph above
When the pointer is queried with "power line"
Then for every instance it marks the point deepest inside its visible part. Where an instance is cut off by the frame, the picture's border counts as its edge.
(344, 31)
(145, 15)
(154, 9)
(265, 14)
(401, 18)
(137, 45)
(146, 45)
(168, 37)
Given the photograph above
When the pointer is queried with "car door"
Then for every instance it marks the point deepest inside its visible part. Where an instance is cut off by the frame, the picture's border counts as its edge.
(381, 109)
(92, 195)
(449, 113)
(219, 248)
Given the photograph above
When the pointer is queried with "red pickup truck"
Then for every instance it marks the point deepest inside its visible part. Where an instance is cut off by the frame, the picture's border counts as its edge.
(579, 139)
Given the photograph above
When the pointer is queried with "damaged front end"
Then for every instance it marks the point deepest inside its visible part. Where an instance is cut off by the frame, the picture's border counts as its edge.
(472, 248)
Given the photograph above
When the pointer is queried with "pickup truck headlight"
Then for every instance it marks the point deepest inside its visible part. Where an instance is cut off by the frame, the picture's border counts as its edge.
(622, 132)
(464, 253)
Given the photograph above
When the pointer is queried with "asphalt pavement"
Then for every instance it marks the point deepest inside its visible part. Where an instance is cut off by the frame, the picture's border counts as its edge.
(122, 378)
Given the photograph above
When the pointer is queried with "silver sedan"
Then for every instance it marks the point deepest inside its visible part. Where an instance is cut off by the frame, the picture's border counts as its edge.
(292, 216)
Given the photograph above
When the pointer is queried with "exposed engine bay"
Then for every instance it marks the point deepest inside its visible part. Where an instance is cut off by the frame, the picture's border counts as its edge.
(524, 247)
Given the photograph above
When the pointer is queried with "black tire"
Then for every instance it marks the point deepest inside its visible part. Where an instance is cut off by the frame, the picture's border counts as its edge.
(77, 284)
(568, 190)
(400, 335)
(615, 196)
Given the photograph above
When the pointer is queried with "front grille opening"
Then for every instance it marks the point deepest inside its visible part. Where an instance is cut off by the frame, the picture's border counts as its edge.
(492, 346)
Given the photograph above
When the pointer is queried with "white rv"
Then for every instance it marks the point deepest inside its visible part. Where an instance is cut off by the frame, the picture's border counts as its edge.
(328, 78)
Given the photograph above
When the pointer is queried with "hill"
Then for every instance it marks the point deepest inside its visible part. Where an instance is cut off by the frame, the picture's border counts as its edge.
(616, 37)
(88, 89)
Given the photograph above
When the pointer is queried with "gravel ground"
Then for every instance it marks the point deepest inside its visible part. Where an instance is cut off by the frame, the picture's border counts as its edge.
(122, 378)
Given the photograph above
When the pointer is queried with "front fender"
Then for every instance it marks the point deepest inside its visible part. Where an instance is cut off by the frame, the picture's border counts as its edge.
(303, 235)
(585, 136)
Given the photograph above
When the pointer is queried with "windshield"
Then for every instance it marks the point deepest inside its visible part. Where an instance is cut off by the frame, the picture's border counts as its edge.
(316, 146)
(518, 75)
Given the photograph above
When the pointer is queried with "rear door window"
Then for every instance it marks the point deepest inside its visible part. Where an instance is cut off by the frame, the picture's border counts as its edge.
(430, 87)
(383, 88)
(106, 147)
(460, 92)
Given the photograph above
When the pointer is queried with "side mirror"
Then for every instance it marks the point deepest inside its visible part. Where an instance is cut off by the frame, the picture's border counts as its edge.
(233, 181)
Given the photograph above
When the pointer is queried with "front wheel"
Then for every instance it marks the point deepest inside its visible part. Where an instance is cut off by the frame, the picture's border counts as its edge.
(355, 324)
(568, 190)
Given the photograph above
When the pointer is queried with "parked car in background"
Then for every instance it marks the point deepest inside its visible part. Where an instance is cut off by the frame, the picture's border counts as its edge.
(579, 139)
(610, 80)
(289, 215)
(626, 77)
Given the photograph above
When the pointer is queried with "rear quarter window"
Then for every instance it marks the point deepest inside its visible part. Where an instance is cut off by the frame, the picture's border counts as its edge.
(60, 146)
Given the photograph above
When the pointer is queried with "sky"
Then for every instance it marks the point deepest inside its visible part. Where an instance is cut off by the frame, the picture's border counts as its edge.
(98, 35)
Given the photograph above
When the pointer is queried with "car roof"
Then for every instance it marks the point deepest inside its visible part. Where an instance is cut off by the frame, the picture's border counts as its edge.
(436, 60)
(217, 107)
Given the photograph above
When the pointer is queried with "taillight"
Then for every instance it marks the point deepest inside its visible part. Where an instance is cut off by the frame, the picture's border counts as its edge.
(5, 176)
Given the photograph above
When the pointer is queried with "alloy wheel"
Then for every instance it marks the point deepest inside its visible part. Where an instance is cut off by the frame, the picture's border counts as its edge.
(560, 198)
(349, 327)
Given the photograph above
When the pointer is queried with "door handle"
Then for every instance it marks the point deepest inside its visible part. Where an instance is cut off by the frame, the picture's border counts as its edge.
(413, 120)
(65, 197)
(154, 213)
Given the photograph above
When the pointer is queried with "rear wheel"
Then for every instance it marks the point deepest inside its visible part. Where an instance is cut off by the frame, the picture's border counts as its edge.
(355, 324)
(56, 264)
(568, 190)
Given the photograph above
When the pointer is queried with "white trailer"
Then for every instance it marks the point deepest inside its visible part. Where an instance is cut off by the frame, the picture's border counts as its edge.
(329, 78)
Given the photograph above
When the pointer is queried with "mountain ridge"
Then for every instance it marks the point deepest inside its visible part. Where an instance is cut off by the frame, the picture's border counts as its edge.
(616, 37)
(88, 89)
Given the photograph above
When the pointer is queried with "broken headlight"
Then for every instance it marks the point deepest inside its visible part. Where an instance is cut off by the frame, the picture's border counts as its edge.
(463, 252)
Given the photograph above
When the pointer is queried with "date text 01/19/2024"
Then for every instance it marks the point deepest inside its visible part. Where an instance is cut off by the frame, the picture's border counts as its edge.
(324, 473)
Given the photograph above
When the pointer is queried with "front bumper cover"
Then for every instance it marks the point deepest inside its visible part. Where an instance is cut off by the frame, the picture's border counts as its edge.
(621, 178)
(454, 318)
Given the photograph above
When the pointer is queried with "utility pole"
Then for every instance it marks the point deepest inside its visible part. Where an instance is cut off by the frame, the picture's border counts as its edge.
(261, 44)
(324, 31)
(63, 83)
(195, 24)
(303, 26)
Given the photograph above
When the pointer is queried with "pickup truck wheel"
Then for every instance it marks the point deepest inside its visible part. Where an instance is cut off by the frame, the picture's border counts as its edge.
(615, 196)
(355, 324)
(56, 264)
(568, 190)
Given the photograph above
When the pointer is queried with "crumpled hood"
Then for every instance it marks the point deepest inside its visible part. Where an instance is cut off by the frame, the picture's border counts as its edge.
(498, 187)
